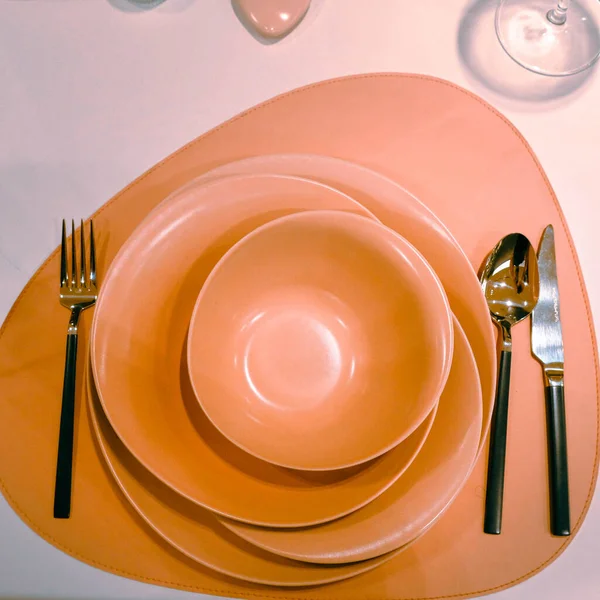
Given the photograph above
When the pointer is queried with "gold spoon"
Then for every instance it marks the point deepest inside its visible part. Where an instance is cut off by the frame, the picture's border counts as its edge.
(510, 282)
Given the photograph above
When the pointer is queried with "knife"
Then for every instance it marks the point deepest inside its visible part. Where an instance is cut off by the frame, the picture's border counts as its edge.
(547, 347)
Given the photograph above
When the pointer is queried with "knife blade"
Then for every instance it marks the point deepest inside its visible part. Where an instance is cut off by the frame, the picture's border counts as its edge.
(547, 347)
(546, 330)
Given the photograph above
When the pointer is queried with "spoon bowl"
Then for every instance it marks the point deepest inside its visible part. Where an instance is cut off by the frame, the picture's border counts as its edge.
(510, 281)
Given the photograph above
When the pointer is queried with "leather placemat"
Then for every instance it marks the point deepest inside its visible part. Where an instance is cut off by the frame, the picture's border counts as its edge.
(470, 166)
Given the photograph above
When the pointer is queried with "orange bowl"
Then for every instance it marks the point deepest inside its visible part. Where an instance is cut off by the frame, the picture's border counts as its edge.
(320, 341)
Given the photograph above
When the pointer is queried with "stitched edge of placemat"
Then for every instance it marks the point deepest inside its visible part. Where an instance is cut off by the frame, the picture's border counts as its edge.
(223, 592)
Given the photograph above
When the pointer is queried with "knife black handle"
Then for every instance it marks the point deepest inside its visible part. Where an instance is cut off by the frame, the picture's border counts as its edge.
(64, 461)
(560, 521)
(495, 474)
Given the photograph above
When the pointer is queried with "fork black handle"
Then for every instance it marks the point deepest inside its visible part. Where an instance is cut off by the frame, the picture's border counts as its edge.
(494, 493)
(560, 522)
(64, 461)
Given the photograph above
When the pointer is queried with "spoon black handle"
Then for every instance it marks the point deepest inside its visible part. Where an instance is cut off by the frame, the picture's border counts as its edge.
(560, 523)
(495, 475)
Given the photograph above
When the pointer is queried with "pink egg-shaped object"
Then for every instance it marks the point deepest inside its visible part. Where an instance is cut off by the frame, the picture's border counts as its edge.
(272, 18)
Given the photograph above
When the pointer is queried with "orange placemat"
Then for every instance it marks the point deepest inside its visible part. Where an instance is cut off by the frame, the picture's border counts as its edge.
(473, 168)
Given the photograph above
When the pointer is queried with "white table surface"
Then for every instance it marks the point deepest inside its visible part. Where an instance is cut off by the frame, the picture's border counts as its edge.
(93, 92)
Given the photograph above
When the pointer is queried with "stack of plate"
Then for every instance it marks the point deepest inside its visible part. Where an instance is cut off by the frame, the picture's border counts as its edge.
(291, 369)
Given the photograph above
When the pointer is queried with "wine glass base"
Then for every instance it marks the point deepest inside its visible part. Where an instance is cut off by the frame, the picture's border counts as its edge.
(530, 38)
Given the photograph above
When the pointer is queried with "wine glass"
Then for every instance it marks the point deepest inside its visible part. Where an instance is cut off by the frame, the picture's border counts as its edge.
(550, 37)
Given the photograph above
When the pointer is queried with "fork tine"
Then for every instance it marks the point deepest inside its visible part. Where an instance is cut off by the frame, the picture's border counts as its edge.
(92, 254)
(73, 256)
(63, 255)
(83, 278)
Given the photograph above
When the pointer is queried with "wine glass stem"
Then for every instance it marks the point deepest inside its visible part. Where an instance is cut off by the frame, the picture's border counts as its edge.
(558, 15)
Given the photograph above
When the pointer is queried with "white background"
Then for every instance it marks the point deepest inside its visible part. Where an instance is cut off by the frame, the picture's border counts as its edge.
(94, 92)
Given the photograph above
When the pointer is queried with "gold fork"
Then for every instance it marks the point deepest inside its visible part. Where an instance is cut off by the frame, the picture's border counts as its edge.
(77, 292)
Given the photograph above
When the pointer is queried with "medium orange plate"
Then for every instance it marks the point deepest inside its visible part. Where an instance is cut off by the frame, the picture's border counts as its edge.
(415, 501)
(195, 531)
(138, 355)
(403, 212)
(320, 341)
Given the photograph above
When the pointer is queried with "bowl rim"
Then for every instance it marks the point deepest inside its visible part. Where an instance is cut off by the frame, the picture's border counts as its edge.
(366, 222)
